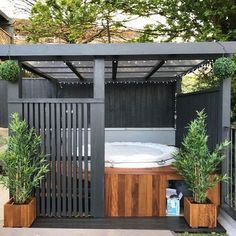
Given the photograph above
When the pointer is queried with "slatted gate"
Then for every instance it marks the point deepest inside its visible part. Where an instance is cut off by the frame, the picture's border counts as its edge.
(67, 128)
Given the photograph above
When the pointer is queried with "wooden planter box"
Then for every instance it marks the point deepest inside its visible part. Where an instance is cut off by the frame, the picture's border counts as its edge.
(19, 215)
(200, 215)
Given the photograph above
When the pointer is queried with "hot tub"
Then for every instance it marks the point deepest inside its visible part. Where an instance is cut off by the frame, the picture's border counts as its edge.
(136, 177)
(138, 155)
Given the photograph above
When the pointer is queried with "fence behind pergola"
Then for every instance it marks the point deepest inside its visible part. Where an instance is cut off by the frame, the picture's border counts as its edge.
(73, 130)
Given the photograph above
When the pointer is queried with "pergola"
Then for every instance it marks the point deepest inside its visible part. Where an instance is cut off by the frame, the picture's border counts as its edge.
(99, 64)
(123, 62)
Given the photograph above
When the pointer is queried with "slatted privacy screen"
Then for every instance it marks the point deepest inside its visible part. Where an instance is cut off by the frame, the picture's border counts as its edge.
(188, 104)
(65, 129)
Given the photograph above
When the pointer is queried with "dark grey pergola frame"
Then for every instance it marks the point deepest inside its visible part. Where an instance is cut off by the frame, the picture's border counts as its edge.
(159, 53)
(99, 54)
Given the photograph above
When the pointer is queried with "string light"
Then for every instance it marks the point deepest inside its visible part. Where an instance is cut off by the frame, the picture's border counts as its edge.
(122, 82)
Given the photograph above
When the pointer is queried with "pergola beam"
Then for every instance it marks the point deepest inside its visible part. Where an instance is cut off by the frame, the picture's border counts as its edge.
(193, 49)
(27, 66)
(114, 69)
(193, 68)
(154, 69)
(74, 70)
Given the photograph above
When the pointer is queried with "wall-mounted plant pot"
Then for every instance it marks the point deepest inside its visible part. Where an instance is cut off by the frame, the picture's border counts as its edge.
(200, 215)
(19, 215)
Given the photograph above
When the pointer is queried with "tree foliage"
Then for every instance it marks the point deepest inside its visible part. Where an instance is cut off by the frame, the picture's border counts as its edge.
(77, 21)
(204, 78)
(200, 20)
(68, 20)
(186, 19)
(200, 79)
(196, 163)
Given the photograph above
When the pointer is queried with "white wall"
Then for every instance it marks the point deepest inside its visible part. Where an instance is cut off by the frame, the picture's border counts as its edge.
(151, 135)
(145, 135)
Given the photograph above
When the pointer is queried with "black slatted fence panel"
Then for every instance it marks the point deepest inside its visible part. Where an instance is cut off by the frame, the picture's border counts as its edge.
(31, 88)
(65, 132)
(3, 104)
(131, 104)
(188, 104)
(127, 105)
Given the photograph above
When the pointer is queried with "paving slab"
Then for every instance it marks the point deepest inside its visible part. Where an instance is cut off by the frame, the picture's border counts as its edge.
(80, 232)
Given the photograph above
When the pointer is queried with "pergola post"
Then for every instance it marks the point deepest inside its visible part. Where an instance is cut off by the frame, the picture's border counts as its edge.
(14, 91)
(224, 127)
(98, 140)
(179, 85)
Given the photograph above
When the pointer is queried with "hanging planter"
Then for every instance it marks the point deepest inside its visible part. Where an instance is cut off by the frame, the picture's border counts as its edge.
(224, 68)
(10, 71)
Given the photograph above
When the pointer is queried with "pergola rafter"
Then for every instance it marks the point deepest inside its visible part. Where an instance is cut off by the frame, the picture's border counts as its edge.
(27, 66)
(154, 69)
(114, 69)
(193, 68)
(74, 70)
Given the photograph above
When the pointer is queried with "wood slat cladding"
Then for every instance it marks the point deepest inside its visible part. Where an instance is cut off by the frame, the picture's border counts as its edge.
(132, 195)
(141, 192)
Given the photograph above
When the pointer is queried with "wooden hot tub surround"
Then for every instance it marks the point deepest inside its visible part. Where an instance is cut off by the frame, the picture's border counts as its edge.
(141, 192)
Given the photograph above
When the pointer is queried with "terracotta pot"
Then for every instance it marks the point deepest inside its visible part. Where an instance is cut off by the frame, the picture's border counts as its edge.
(200, 215)
(22, 215)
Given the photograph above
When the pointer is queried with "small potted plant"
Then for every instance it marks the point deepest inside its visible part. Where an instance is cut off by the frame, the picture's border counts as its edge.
(198, 166)
(23, 168)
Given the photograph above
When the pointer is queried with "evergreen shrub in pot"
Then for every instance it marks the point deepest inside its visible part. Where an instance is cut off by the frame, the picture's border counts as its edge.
(9, 71)
(224, 67)
(23, 166)
(198, 166)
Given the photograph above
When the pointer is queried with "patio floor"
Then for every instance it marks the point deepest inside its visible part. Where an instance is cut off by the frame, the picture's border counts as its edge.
(177, 224)
(82, 232)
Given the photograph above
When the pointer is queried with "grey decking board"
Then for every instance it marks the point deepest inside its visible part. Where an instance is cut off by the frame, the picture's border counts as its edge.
(177, 224)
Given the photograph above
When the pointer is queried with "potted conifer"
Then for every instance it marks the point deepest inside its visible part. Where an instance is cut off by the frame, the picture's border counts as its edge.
(23, 168)
(198, 166)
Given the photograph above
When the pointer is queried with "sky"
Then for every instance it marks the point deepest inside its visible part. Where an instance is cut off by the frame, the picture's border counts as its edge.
(7, 6)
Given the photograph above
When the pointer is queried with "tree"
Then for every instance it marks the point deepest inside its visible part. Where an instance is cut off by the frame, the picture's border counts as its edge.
(112, 18)
(187, 19)
(190, 20)
(201, 79)
(68, 20)
(77, 21)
